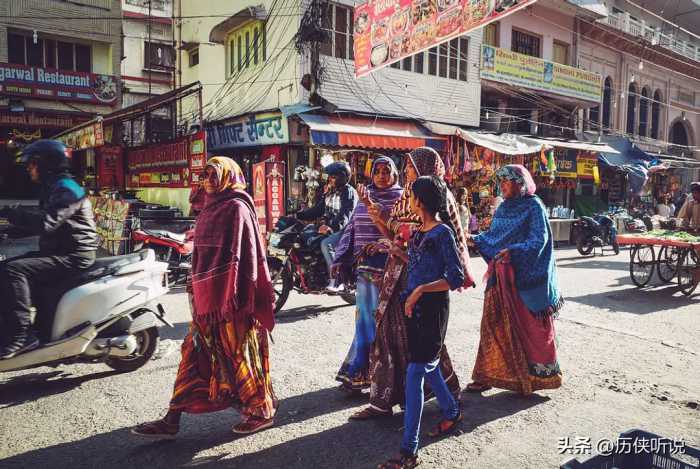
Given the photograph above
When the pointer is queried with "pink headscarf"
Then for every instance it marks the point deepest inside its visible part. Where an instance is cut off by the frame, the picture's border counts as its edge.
(519, 174)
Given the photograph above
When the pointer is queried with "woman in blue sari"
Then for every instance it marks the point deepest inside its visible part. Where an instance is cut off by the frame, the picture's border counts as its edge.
(358, 251)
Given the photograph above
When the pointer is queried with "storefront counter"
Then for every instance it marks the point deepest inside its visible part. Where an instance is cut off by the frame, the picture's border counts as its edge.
(561, 229)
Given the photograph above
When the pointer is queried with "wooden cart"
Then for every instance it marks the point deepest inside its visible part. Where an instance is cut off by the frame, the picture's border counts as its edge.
(670, 258)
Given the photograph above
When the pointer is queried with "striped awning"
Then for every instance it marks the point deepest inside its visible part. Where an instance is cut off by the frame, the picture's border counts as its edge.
(365, 132)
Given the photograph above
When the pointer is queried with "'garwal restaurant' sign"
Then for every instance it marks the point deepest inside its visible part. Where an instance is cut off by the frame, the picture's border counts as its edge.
(386, 31)
(41, 83)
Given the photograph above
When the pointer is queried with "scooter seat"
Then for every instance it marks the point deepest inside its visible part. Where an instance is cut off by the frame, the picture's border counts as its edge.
(179, 237)
(105, 265)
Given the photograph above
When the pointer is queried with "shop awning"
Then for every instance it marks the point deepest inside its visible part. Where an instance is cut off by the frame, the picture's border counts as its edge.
(576, 145)
(364, 132)
(507, 144)
(629, 158)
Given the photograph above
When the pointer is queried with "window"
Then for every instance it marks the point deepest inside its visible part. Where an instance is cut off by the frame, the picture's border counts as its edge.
(232, 56)
(15, 49)
(256, 44)
(524, 43)
(247, 49)
(65, 56)
(247, 46)
(194, 58)
(49, 53)
(491, 34)
(631, 108)
(644, 112)
(449, 60)
(593, 118)
(607, 103)
(560, 53)
(337, 20)
(655, 114)
(159, 56)
(83, 58)
(240, 53)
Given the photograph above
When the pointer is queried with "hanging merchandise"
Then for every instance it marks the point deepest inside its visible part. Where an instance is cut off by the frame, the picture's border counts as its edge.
(368, 167)
(448, 164)
(551, 164)
(596, 176)
(467, 164)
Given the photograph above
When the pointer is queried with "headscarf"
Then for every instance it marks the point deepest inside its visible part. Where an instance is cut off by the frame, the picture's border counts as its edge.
(229, 174)
(361, 230)
(519, 174)
(427, 162)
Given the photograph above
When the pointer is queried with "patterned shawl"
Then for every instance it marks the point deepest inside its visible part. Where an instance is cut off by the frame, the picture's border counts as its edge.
(520, 225)
(519, 174)
(230, 276)
(427, 162)
(361, 230)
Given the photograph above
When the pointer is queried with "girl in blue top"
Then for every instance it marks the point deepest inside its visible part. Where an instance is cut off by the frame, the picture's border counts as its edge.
(434, 268)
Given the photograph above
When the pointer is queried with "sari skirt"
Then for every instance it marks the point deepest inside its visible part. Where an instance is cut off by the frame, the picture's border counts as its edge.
(354, 372)
(389, 356)
(517, 350)
(225, 365)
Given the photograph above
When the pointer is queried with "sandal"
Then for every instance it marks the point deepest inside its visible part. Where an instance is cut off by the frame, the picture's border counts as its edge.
(402, 461)
(477, 387)
(446, 426)
(156, 430)
(252, 425)
(369, 413)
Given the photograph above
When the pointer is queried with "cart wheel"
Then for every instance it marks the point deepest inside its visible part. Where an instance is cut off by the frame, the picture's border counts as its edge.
(668, 263)
(687, 264)
(642, 265)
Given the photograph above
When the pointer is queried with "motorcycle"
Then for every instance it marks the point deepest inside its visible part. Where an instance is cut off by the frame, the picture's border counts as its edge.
(108, 313)
(173, 248)
(596, 231)
(296, 263)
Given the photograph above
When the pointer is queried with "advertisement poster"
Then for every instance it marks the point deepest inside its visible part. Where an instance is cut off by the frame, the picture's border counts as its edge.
(110, 218)
(566, 162)
(385, 31)
(259, 196)
(90, 136)
(585, 165)
(110, 167)
(275, 192)
(41, 83)
(198, 150)
(515, 69)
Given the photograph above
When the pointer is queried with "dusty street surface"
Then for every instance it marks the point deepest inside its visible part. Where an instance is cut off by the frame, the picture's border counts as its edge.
(630, 359)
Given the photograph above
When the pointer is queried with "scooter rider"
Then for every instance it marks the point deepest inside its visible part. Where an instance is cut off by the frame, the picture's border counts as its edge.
(335, 209)
(67, 240)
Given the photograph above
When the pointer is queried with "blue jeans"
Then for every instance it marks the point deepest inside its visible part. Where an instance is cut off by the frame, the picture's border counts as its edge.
(416, 374)
(356, 364)
(328, 248)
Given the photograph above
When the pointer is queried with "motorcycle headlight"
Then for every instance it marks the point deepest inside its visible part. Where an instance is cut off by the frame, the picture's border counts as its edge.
(275, 239)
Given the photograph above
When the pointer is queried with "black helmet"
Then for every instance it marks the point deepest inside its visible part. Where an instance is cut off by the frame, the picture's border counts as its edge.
(50, 155)
(341, 170)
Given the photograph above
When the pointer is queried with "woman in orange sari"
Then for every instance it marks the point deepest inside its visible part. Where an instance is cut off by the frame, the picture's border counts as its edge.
(225, 354)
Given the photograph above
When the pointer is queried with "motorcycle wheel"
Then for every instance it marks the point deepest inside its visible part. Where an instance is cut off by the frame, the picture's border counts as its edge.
(282, 285)
(148, 342)
(584, 247)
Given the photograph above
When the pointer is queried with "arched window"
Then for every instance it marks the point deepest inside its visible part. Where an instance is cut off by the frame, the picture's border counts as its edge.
(678, 134)
(644, 112)
(631, 108)
(607, 102)
(655, 114)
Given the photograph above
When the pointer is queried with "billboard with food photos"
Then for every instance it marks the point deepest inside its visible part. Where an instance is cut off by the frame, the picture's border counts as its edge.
(386, 31)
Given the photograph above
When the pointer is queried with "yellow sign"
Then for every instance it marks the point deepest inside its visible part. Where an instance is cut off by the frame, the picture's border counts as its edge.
(90, 136)
(515, 69)
(584, 167)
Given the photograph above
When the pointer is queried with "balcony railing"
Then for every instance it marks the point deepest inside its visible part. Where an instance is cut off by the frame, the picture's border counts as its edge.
(636, 28)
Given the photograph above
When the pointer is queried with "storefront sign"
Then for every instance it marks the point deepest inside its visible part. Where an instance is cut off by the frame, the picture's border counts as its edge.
(90, 136)
(515, 69)
(175, 164)
(275, 192)
(249, 131)
(159, 156)
(34, 119)
(259, 196)
(41, 83)
(386, 31)
(585, 166)
(198, 151)
(566, 162)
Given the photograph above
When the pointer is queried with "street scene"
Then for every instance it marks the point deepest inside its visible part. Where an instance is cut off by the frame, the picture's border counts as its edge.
(391, 234)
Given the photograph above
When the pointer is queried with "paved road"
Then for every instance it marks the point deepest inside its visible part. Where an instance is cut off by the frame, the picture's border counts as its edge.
(629, 357)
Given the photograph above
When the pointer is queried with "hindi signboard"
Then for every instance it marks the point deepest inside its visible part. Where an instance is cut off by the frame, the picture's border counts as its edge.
(585, 166)
(259, 196)
(512, 68)
(42, 83)
(249, 131)
(275, 192)
(386, 31)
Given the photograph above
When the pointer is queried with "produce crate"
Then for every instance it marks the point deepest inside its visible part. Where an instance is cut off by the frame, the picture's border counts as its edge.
(659, 456)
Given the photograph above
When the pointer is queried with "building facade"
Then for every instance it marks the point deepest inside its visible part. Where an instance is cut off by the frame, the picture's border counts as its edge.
(59, 66)
(650, 65)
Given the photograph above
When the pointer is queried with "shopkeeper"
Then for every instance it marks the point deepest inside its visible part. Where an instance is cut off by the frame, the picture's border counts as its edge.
(690, 212)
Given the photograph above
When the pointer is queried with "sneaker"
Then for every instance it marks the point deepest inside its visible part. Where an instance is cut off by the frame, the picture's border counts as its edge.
(22, 342)
(334, 290)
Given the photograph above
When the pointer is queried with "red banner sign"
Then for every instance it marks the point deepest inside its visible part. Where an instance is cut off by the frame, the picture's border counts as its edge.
(40, 120)
(43, 83)
(110, 167)
(386, 31)
(175, 164)
(275, 192)
(259, 196)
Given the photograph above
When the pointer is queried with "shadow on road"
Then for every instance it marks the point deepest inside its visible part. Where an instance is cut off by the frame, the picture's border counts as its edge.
(637, 301)
(595, 263)
(26, 388)
(351, 444)
(304, 312)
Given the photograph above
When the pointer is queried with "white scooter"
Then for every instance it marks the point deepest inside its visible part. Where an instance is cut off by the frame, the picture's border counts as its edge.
(106, 314)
